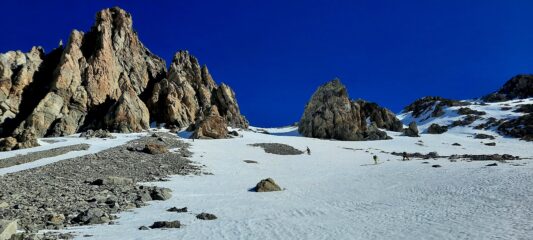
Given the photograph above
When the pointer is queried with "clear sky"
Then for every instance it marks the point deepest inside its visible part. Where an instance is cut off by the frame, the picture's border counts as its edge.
(274, 54)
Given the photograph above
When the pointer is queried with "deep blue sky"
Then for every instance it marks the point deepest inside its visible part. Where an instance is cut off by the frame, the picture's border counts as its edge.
(274, 54)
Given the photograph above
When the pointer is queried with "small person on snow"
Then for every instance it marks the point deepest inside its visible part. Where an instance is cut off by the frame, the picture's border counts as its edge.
(405, 157)
(308, 151)
(375, 159)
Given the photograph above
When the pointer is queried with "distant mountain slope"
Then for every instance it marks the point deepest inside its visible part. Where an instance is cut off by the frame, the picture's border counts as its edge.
(507, 112)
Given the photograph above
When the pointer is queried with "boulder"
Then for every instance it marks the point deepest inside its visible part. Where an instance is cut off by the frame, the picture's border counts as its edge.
(412, 130)
(267, 185)
(206, 216)
(160, 194)
(483, 136)
(166, 224)
(178, 210)
(330, 114)
(8, 228)
(153, 148)
(213, 126)
(437, 129)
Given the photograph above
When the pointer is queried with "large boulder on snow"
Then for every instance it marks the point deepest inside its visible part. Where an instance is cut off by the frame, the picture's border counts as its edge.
(520, 86)
(330, 114)
(411, 130)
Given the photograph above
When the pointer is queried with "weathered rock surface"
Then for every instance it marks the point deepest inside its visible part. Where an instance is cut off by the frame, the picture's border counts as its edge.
(187, 94)
(521, 127)
(166, 224)
(7, 229)
(330, 114)
(102, 72)
(267, 185)
(520, 86)
(105, 79)
(213, 126)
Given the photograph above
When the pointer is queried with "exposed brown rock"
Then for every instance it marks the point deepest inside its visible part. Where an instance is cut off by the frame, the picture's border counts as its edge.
(213, 126)
(105, 79)
(188, 92)
(267, 185)
(103, 71)
(330, 114)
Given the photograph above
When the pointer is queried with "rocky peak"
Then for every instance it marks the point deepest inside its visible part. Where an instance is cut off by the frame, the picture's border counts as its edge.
(330, 114)
(520, 86)
(189, 90)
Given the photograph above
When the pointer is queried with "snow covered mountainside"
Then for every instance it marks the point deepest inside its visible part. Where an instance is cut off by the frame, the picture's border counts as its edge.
(337, 192)
(499, 119)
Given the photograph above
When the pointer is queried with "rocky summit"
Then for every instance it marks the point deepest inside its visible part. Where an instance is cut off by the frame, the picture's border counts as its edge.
(518, 87)
(105, 79)
(330, 114)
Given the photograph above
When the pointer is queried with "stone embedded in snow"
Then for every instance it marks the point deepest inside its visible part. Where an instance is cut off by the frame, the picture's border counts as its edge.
(267, 185)
(437, 129)
(484, 136)
(436, 166)
(330, 114)
(179, 210)
(7, 229)
(166, 224)
(206, 216)
(411, 131)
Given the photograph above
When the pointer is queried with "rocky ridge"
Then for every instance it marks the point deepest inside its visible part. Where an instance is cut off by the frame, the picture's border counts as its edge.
(105, 79)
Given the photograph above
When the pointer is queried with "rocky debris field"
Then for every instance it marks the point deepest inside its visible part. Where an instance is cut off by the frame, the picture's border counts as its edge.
(91, 188)
(34, 156)
(278, 148)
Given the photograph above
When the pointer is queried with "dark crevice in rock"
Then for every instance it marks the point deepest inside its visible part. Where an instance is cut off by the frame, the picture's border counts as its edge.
(35, 91)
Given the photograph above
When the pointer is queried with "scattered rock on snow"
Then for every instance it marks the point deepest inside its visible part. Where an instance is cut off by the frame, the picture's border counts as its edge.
(143, 228)
(249, 161)
(492, 165)
(267, 185)
(100, 133)
(437, 129)
(484, 136)
(492, 144)
(278, 148)
(411, 131)
(206, 216)
(175, 209)
(436, 166)
(166, 224)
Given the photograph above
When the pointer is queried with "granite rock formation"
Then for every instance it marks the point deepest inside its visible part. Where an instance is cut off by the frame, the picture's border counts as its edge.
(330, 114)
(105, 79)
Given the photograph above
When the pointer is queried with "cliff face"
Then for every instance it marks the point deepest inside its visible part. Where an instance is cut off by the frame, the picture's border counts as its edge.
(330, 114)
(105, 78)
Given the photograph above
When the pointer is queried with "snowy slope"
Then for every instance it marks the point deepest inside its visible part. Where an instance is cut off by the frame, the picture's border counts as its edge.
(497, 110)
(337, 193)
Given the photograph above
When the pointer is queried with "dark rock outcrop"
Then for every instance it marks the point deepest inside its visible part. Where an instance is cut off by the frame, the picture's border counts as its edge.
(330, 114)
(411, 130)
(432, 105)
(437, 129)
(518, 87)
(521, 127)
